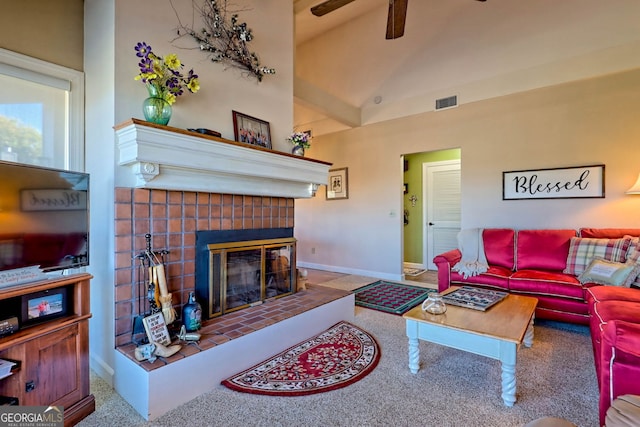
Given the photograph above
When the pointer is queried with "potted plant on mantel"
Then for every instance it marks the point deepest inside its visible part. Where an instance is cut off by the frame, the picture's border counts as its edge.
(301, 141)
(164, 81)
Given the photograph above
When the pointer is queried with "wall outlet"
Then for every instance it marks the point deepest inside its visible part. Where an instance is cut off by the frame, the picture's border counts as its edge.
(313, 251)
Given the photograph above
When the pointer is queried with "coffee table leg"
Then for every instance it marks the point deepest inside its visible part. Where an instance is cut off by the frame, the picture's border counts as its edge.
(508, 360)
(528, 336)
(414, 355)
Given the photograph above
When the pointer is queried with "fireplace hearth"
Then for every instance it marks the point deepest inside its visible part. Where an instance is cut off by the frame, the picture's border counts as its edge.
(236, 269)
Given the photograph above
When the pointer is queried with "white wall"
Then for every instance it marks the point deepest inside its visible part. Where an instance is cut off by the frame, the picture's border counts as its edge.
(112, 28)
(581, 123)
(100, 158)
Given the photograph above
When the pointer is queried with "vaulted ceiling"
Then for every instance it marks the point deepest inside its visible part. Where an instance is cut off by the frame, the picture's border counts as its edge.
(348, 74)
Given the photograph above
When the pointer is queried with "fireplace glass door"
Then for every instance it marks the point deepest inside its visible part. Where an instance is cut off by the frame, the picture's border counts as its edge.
(244, 271)
(243, 274)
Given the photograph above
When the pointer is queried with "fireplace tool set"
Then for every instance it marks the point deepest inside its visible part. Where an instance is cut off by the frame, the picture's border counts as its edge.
(155, 308)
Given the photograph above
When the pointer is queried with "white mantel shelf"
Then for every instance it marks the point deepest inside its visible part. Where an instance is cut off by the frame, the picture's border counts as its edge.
(164, 157)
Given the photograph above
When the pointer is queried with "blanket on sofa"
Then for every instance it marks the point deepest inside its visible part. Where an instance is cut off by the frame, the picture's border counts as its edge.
(473, 260)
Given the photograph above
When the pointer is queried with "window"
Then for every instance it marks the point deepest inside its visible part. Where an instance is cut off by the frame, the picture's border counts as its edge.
(41, 113)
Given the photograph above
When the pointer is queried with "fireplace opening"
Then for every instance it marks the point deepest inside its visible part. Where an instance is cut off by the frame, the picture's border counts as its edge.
(236, 269)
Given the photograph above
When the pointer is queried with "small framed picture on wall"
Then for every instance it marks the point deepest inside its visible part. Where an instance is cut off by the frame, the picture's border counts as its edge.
(338, 185)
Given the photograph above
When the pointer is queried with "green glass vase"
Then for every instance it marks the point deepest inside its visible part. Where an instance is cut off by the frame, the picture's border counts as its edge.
(155, 108)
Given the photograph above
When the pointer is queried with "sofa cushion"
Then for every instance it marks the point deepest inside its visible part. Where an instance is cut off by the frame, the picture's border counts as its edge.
(583, 250)
(606, 311)
(608, 233)
(569, 308)
(633, 253)
(611, 273)
(546, 283)
(543, 249)
(598, 294)
(496, 277)
(499, 244)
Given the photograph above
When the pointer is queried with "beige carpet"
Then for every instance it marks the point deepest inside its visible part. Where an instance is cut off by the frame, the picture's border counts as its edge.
(555, 377)
(349, 282)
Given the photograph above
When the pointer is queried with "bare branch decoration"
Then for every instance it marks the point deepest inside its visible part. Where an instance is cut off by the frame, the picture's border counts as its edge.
(224, 38)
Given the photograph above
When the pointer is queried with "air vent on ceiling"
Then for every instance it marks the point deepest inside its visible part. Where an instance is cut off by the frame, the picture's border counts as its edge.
(451, 101)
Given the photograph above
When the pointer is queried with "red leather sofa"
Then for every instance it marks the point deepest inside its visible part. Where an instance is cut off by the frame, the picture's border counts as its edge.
(615, 335)
(533, 262)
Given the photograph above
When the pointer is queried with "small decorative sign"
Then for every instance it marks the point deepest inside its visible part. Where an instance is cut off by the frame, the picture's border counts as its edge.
(53, 200)
(21, 275)
(156, 329)
(557, 183)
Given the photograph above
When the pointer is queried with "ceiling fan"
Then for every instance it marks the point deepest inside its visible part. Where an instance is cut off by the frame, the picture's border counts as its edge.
(395, 19)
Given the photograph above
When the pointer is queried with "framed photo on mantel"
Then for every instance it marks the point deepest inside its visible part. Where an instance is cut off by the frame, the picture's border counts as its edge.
(576, 182)
(250, 130)
(338, 185)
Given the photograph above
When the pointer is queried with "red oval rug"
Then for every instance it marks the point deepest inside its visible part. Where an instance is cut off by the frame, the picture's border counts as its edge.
(335, 358)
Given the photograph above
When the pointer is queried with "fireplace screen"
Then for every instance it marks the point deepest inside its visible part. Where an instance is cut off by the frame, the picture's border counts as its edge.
(243, 274)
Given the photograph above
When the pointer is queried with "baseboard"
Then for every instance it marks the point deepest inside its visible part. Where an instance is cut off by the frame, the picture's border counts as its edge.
(102, 369)
(355, 271)
(413, 265)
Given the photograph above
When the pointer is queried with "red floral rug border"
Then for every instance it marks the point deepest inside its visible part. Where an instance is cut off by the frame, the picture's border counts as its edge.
(335, 358)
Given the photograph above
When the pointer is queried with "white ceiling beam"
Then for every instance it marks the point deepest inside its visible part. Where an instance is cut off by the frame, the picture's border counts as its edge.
(315, 98)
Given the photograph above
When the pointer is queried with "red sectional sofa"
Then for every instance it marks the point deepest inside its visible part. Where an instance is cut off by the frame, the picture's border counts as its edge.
(615, 335)
(538, 263)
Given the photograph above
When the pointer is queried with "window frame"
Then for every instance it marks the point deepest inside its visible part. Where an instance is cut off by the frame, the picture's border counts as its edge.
(72, 81)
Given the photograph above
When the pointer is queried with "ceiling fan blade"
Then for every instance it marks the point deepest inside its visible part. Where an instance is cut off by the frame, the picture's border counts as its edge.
(328, 6)
(396, 18)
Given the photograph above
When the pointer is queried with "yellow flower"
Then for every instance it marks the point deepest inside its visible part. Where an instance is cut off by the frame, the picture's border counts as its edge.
(172, 61)
(170, 98)
(193, 85)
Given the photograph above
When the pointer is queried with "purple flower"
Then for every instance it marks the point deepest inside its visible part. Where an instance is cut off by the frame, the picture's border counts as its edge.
(142, 49)
(163, 74)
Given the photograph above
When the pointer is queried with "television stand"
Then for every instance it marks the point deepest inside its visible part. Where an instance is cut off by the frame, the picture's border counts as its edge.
(53, 355)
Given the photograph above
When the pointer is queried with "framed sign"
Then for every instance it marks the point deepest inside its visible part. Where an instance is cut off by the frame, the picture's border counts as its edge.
(251, 130)
(577, 182)
(338, 186)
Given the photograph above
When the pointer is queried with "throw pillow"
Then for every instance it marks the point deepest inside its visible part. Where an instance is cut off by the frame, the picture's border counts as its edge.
(583, 250)
(612, 273)
(633, 253)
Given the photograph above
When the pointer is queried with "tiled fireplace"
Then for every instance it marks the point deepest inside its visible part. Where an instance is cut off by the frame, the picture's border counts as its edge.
(172, 183)
(172, 218)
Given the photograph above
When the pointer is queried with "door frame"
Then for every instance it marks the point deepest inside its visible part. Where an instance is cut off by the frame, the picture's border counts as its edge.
(425, 190)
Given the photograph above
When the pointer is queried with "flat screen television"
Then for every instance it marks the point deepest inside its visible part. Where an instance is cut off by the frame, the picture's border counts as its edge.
(44, 217)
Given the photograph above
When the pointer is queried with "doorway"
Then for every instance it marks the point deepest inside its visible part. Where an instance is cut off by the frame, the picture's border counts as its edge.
(432, 210)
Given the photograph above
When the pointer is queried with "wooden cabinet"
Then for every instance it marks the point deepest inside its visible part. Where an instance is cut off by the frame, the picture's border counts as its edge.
(53, 355)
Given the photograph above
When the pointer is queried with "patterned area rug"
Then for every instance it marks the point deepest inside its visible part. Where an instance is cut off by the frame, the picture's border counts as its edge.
(390, 297)
(335, 358)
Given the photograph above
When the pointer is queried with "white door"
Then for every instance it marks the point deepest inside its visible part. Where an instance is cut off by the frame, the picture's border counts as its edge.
(441, 197)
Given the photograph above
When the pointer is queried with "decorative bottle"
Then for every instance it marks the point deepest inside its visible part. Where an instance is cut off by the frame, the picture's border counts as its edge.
(192, 314)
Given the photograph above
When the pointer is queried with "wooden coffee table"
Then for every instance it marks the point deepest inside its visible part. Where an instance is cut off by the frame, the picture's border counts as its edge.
(495, 333)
